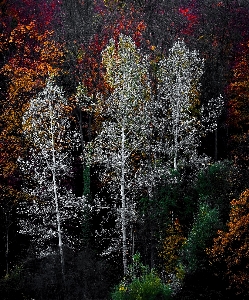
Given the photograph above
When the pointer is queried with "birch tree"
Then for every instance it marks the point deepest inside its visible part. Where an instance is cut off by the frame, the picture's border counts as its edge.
(46, 169)
(179, 76)
(183, 120)
(122, 135)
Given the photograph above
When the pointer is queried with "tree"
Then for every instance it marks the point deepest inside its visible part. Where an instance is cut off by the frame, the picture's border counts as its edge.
(238, 107)
(122, 135)
(178, 87)
(29, 57)
(230, 247)
(112, 20)
(181, 117)
(200, 236)
(28, 54)
(26, 11)
(170, 254)
(216, 183)
(53, 214)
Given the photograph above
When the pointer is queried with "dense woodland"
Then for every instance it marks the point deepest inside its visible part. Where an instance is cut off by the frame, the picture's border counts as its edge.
(124, 131)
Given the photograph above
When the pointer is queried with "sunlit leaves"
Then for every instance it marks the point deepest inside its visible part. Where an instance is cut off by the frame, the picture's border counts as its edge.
(47, 109)
(178, 87)
(29, 57)
(183, 120)
(126, 73)
(123, 131)
(47, 169)
(35, 56)
(126, 55)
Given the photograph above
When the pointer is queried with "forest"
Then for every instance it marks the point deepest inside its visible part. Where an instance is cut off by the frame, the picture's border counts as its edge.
(124, 135)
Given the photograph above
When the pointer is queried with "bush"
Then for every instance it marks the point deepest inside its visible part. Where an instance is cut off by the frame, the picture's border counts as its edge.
(146, 286)
(204, 229)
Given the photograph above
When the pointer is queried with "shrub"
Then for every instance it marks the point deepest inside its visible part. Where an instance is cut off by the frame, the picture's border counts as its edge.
(147, 286)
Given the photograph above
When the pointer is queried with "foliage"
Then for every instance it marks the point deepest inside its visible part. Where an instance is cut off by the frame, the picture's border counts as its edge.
(199, 238)
(122, 135)
(28, 55)
(143, 284)
(36, 55)
(170, 252)
(178, 88)
(46, 167)
(89, 65)
(215, 184)
(182, 119)
(148, 287)
(238, 109)
(174, 199)
(231, 246)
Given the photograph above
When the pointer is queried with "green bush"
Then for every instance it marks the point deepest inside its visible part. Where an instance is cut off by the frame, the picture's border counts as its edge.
(148, 287)
(141, 284)
(204, 228)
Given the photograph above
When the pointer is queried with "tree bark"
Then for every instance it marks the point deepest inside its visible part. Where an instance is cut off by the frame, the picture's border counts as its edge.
(123, 201)
(176, 136)
(56, 198)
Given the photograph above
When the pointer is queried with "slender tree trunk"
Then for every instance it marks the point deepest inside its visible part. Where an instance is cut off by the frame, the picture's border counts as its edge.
(123, 209)
(56, 199)
(133, 240)
(150, 195)
(176, 137)
(58, 221)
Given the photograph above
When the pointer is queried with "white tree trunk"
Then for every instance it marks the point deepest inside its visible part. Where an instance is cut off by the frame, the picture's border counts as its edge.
(123, 208)
(56, 197)
(176, 136)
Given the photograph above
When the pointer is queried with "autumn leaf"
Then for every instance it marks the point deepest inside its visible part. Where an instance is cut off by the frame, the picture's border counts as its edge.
(231, 246)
